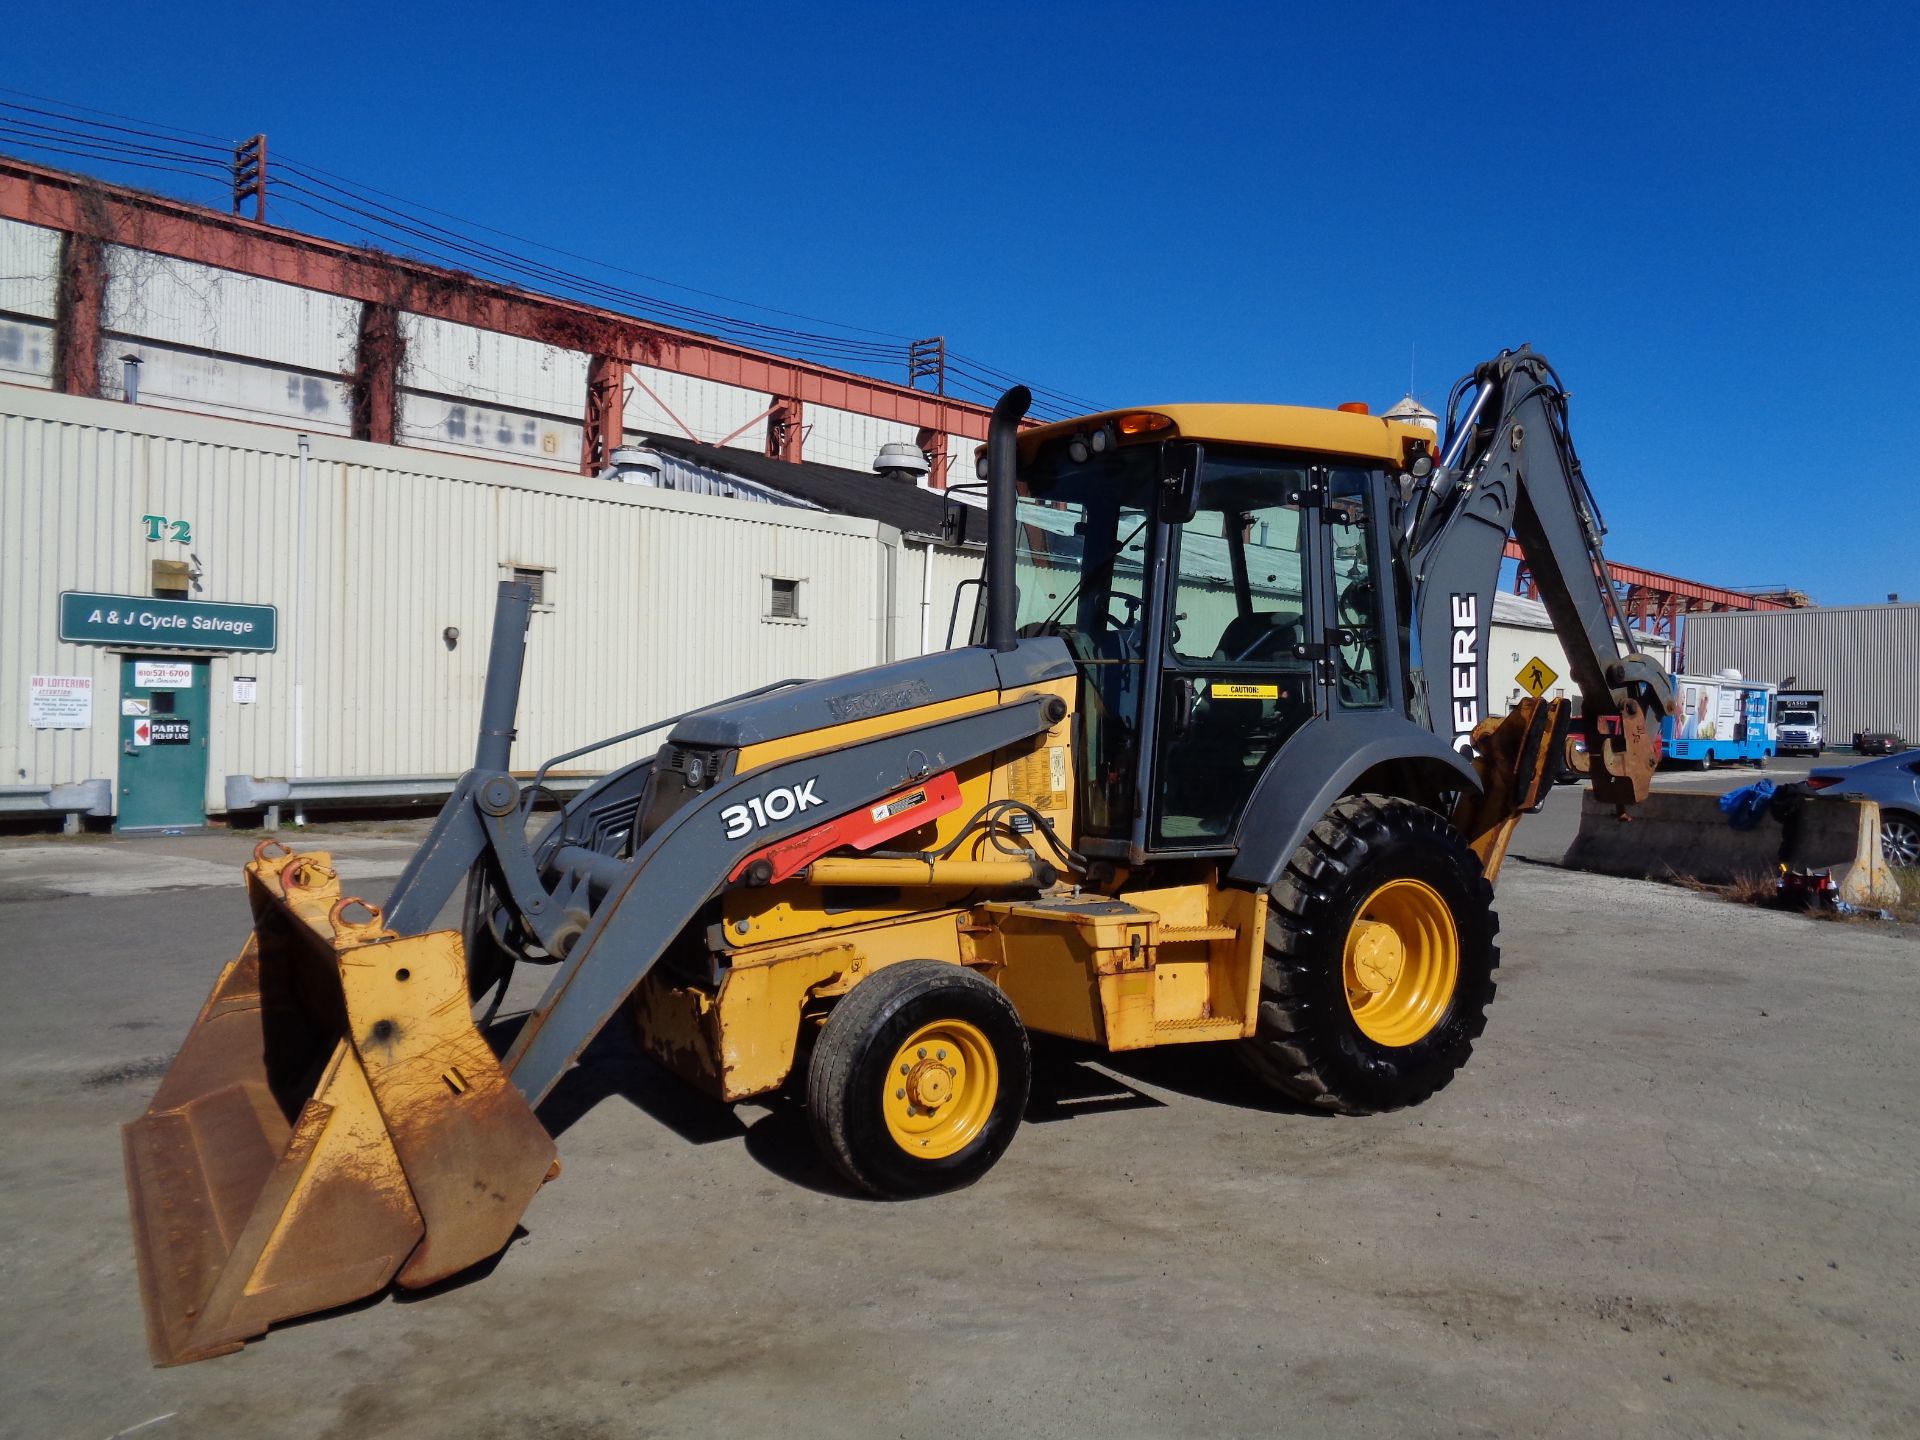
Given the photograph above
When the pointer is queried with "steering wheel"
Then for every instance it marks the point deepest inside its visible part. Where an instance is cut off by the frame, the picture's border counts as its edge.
(1356, 603)
(1132, 602)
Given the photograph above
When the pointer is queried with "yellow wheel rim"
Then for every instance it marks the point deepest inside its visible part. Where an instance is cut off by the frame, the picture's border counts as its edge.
(940, 1089)
(1401, 962)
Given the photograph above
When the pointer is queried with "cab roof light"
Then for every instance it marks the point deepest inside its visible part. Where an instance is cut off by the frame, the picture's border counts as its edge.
(1355, 407)
(1144, 422)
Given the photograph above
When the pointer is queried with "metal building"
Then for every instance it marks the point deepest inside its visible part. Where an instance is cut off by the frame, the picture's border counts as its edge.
(228, 610)
(1523, 638)
(1865, 657)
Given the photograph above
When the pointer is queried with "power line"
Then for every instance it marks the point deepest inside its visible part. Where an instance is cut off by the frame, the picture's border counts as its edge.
(339, 201)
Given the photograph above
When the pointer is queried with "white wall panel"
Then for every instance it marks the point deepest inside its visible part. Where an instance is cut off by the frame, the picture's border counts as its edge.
(180, 303)
(841, 437)
(505, 371)
(26, 352)
(658, 599)
(660, 402)
(29, 269)
(227, 385)
(434, 422)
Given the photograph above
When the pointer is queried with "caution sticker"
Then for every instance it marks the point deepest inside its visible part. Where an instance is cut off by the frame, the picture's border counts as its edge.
(1221, 690)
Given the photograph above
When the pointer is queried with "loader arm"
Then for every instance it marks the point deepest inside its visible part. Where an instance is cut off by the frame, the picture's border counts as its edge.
(1508, 466)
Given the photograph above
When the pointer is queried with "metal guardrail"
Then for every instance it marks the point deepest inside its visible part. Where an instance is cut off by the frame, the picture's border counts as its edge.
(83, 797)
(246, 793)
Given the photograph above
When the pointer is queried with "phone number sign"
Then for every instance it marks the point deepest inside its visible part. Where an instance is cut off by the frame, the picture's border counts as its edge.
(87, 618)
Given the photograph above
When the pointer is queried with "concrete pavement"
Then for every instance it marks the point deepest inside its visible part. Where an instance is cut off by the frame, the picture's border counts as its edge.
(1677, 1192)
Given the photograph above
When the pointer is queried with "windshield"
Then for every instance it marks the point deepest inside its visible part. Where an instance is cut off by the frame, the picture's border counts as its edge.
(1080, 556)
(1797, 717)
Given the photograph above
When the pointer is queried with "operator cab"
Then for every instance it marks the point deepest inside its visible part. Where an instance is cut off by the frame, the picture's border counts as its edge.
(1216, 597)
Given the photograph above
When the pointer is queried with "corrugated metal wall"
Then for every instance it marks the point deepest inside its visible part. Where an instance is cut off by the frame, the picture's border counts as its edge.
(662, 402)
(29, 263)
(217, 342)
(482, 392)
(1866, 658)
(657, 601)
(840, 437)
(223, 343)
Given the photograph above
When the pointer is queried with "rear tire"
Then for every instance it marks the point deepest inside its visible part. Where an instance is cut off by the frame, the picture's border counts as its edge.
(919, 1079)
(1380, 960)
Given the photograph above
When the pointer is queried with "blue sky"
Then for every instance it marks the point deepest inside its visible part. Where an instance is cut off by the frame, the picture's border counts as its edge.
(1707, 218)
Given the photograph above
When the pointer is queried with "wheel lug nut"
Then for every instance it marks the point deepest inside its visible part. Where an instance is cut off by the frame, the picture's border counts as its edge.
(941, 1055)
(923, 1052)
(905, 1069)
(900, 1094)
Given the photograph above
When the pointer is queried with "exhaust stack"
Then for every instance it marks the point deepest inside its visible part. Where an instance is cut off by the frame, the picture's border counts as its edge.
(1003, 461)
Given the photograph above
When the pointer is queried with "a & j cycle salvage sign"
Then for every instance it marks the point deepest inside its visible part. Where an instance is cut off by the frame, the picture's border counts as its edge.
(91, 619)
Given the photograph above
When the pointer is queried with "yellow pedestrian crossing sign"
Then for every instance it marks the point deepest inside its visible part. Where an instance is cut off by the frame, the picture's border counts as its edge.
(1535, 677)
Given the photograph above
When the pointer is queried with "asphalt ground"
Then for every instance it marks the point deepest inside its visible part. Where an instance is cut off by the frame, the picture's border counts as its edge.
(1677, 1192)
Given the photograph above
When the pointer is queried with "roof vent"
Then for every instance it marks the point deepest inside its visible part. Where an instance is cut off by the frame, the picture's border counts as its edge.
(633, 465)
(898, 460)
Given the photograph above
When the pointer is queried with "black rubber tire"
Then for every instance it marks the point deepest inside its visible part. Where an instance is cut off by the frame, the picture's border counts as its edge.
(1911, 824)
(848, 1074)
(1307, 1044)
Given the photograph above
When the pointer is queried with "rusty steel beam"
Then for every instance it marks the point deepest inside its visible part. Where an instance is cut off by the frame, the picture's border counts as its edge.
(786, 430)
(374, 388)
(75, 204)
(79, 296)
(603, 427)
(934, 444)
(1672, 585)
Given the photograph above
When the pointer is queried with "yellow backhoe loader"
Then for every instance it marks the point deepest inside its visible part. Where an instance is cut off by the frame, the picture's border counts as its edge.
(1216, 769)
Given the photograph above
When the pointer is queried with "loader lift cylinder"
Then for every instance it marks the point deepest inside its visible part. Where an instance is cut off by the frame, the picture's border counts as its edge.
(501, 700)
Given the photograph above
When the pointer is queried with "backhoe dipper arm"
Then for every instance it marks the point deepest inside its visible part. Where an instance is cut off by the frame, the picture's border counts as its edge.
(1508, 466)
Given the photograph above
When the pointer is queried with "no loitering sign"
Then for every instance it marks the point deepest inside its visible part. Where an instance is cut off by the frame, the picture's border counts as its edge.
(60, 702)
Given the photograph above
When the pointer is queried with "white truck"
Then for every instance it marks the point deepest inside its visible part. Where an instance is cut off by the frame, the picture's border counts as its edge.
(1800, 720)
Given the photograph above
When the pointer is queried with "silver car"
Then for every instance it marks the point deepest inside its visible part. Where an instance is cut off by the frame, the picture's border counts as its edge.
(1893, 782)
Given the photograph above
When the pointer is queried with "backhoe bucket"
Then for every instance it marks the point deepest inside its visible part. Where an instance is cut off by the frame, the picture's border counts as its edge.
(334, 1123)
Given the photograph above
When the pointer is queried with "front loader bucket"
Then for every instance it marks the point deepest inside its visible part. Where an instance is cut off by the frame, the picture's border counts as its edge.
(334, 1123)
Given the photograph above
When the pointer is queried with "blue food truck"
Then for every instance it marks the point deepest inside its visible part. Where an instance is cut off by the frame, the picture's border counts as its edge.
(1724, 719)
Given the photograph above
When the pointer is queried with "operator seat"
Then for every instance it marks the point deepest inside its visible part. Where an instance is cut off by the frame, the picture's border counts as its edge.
(1228, 739)
(1264, 635)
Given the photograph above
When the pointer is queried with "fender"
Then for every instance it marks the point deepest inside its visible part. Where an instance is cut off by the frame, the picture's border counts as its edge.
(1281, 810)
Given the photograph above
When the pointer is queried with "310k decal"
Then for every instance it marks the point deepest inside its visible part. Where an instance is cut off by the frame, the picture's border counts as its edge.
(763, 810)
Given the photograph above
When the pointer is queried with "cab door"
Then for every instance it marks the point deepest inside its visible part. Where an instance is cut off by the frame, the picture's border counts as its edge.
(1238, 671)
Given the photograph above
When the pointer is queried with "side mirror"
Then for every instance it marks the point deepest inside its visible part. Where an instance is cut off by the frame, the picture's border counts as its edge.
(1179, 481)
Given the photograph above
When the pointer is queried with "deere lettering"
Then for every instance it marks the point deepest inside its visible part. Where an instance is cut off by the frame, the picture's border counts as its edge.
(1464, 669)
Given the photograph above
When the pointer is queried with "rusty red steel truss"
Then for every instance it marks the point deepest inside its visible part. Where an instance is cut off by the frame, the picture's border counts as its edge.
(1653, 602)
(91, 214)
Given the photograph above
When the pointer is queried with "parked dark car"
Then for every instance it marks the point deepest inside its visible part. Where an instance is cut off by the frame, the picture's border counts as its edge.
(1878, 742)
(1894, 784)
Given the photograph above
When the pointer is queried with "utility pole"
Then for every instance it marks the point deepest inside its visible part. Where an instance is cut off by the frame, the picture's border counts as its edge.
(250, 176)
(927, 360)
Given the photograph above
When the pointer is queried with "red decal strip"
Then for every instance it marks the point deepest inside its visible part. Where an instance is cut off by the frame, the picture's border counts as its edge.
(862, 829)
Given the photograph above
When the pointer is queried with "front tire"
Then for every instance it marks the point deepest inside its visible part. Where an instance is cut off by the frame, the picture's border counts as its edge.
(1380, 960)
(919, 1079)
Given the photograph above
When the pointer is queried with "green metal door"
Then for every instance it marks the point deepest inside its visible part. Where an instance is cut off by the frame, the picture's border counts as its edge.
(163, 743)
